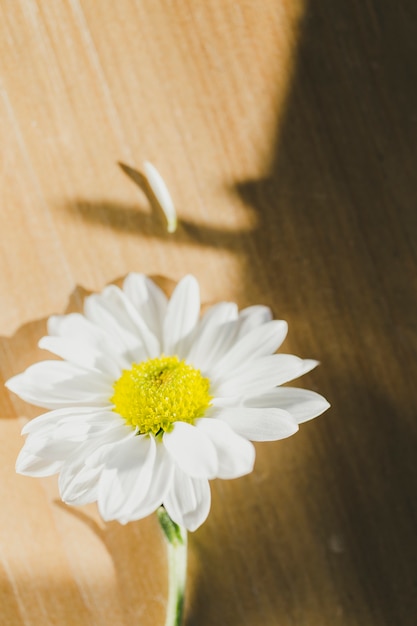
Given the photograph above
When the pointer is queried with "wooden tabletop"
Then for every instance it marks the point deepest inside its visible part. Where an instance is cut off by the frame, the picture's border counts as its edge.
(286, 131)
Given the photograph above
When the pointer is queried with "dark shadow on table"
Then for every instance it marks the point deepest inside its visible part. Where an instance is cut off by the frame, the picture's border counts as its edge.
(337, 225)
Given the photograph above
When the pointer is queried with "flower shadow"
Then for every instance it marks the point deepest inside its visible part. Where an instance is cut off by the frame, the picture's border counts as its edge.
(20, 350)
(138, 559)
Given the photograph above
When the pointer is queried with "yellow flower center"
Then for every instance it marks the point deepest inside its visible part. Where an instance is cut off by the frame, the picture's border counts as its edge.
(154, 394)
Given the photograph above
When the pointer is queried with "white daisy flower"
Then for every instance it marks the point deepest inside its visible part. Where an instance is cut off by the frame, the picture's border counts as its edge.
(150, 401)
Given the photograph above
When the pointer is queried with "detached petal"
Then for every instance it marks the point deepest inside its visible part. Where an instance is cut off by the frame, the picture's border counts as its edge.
(192, 450)
(259, 424)
(188, 502)
(162, 195)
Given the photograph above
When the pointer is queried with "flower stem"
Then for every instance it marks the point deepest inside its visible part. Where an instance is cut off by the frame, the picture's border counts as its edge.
(176, 537)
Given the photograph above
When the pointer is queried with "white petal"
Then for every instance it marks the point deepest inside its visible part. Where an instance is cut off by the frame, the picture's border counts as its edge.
(79, 477)
(259, 424)
(260, 341)
(162, 195)
(49, 449)
(49, 420)
(236, 454)
(159, 487)
(252, 317)
(301, 403)
(76, 327)
(56, 384)
(214, 335)
(67, 425)
(261, 375)
(113, 311)
(107, 441)
(81, 427)
(84, 488)
(191, 450)
(308, 365)
(149, 301)
(188, 502)
(181, 317)
(78, 482)
(31, 465)
(81, 354)
(126, 477)
(53, 444)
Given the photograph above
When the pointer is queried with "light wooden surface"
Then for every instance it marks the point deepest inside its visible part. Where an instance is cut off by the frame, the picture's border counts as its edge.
(287, 134)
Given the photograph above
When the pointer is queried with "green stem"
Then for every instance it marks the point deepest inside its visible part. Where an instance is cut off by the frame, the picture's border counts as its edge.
(176, 538)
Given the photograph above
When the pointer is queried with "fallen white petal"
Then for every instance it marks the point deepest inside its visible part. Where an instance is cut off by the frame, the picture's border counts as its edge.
(162, 195)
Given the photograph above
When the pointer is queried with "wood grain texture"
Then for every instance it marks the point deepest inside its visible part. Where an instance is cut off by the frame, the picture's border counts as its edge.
(287, 135)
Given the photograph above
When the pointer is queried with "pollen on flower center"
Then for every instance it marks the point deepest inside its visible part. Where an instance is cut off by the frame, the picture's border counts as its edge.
(154, 394)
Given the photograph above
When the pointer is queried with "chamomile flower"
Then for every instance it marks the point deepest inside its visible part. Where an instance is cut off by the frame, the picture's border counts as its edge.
(151, 401)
